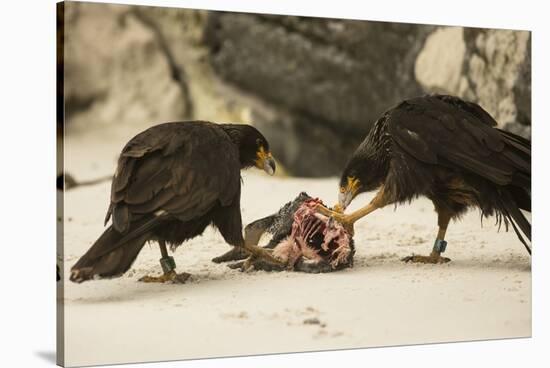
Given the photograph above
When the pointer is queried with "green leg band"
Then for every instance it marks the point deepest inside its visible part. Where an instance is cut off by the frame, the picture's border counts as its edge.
(168, 264)
(440, 246)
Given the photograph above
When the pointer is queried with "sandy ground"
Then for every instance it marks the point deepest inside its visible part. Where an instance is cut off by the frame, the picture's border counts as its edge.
(484, 293)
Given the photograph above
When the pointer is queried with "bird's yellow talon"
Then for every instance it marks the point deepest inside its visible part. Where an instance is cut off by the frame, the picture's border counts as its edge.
(172, 276)
(337, 208)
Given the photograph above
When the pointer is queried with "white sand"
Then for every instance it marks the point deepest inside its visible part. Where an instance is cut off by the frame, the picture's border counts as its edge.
(484, 293)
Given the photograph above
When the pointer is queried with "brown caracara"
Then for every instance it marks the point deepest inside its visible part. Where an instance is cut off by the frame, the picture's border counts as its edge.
(449, 151)
(172, 181)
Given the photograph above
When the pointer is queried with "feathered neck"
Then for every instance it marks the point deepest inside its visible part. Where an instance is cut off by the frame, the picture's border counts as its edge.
(370, 162)
(240, 135)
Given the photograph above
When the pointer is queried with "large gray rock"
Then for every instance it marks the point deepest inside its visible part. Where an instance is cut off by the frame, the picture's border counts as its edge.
(487, 66)
(329, 78)
(312, 86)
(116, 72)
(498, 68)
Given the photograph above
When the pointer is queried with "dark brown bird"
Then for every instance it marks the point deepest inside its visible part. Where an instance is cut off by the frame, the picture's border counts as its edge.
(172, 181)
(448, 150)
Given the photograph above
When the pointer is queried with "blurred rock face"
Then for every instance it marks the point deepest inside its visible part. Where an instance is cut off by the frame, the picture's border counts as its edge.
(332, 78)
(312, 86)
(490, 67)
(115, 71)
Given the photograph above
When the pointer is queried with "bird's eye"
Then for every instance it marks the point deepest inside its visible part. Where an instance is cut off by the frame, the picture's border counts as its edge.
(259, 142)
(342, 189)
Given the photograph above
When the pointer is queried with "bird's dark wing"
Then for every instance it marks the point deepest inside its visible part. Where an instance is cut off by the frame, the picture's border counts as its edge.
(447, 131)
(178, 169)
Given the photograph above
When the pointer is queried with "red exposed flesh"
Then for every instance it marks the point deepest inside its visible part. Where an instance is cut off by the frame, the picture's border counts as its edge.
(334, 247)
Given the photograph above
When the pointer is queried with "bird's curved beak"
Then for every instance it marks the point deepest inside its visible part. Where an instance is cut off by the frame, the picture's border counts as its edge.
(265, 161)
(269, 165)
(344, 199)
(348, 192)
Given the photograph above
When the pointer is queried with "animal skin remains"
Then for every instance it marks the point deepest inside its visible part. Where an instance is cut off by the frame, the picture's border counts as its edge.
(315, 237)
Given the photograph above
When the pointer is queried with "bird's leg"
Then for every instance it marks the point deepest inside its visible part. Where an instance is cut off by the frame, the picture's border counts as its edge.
(261, 254)
(253, 263)
(168, 267)
(234, 254)
(260, 258)
(440, 244)
(252, 234)
(349, 220)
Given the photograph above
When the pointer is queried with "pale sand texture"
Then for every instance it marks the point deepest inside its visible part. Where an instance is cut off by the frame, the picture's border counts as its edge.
(484, 293)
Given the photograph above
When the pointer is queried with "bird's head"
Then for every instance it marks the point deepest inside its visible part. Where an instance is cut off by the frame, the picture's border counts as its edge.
(361, 174)
(350, 187)
(253, 147)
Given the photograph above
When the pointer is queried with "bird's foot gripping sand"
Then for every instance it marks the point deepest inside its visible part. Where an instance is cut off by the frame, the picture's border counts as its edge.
(172, 276)
(432, 258)
(313, 243)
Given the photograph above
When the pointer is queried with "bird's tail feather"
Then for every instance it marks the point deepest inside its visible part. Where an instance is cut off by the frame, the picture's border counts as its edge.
(517, 219)
(517, 195)
(113, 253)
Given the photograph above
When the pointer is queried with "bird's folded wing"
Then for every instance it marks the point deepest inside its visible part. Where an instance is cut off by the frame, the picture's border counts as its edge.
(182, 170)
(436, 131)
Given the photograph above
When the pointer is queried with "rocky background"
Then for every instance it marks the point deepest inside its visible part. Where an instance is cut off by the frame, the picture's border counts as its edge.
(312, 86)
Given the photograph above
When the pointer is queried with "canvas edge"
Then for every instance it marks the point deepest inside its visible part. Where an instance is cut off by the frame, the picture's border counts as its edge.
(60, 121)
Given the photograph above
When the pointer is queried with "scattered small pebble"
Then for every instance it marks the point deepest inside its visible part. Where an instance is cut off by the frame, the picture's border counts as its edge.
(312, 321)
(242, 315)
